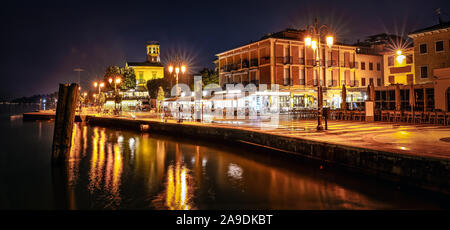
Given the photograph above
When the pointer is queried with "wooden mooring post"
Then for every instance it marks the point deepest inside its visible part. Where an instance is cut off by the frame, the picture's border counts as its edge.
(64, 119)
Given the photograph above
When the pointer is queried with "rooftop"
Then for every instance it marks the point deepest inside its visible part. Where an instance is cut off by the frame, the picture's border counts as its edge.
(441, 25)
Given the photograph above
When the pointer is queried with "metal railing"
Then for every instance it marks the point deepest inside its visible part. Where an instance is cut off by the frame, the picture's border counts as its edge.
(253, 62)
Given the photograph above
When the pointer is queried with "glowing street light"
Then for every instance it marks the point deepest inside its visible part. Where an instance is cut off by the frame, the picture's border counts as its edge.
(308, 41)
(329, 41)
(400, 57)
(313, 40)
(314, 45)
(177, 71)
(99, 86)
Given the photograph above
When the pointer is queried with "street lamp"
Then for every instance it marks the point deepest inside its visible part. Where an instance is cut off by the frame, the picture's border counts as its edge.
(100, 86)
(400, 57)
(177, 71)
(116, 96)
(314, 39)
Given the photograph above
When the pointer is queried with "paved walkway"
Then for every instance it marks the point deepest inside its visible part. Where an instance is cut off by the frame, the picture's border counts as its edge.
(423, 140)
(419, 140)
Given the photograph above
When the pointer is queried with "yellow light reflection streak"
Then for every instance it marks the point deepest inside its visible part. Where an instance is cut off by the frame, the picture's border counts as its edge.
(177, 195)
(92, 172)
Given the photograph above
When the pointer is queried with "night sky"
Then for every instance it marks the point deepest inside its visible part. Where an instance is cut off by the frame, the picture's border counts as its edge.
(42, 42)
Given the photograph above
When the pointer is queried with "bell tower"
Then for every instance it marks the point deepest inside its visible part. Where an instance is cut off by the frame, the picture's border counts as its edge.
(153, 51)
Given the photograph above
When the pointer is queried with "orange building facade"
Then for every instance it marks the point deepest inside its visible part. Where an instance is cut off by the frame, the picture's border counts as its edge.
(283, 59)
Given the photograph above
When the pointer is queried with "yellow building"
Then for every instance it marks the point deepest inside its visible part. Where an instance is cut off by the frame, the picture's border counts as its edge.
(150, 69)
(431, 50)
(399, 66)
(432, 64)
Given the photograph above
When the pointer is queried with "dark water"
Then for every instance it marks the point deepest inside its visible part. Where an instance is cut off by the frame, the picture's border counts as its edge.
(114, 169)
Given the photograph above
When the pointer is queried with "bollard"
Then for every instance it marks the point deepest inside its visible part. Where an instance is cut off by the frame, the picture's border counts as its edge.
(64, 119)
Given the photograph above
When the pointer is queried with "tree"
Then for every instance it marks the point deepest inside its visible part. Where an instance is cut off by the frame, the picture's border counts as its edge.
(154, 85)
(129, 79)
(160, 97)
(112, 72)
(209, 76)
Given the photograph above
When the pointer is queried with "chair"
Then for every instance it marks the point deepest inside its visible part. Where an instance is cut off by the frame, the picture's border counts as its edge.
(391, 116)
(418, 117)
(398, 116)
(408, 116)
(384, 116)
(440, 118)
(447, 118)
(432, 117)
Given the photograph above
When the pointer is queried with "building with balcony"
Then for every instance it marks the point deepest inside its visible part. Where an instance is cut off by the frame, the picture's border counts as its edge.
(282, 58)
(432, 64)
(369, 69)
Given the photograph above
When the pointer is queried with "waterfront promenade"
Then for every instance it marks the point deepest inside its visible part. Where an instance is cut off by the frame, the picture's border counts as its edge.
(425, 140)
(416, 155)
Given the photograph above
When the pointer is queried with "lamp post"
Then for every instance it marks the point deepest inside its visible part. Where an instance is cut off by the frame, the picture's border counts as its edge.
(313, 39)
(79, 70)
(99, 85)
(116, 82)
(177, 71)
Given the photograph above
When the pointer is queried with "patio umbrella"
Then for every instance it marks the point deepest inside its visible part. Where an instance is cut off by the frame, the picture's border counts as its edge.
(372, 92)
(412, 96)
(344, 98)
(319, 97)
(397, 97)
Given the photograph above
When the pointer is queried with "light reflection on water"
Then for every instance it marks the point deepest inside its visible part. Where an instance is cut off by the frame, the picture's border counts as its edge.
(113, 169)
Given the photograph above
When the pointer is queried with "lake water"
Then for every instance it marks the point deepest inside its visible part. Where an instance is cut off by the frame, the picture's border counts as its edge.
(117, 169)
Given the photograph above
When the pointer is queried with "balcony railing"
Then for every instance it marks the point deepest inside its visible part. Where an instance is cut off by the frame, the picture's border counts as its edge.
(301, 81)
(332, 63)
(354, 83)
(284, 60)
(310, 61)
(301, 61)
(264, 60)
(332, 82)
(245, 63)
(348, 64)
(315, 82)
(253, 62)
